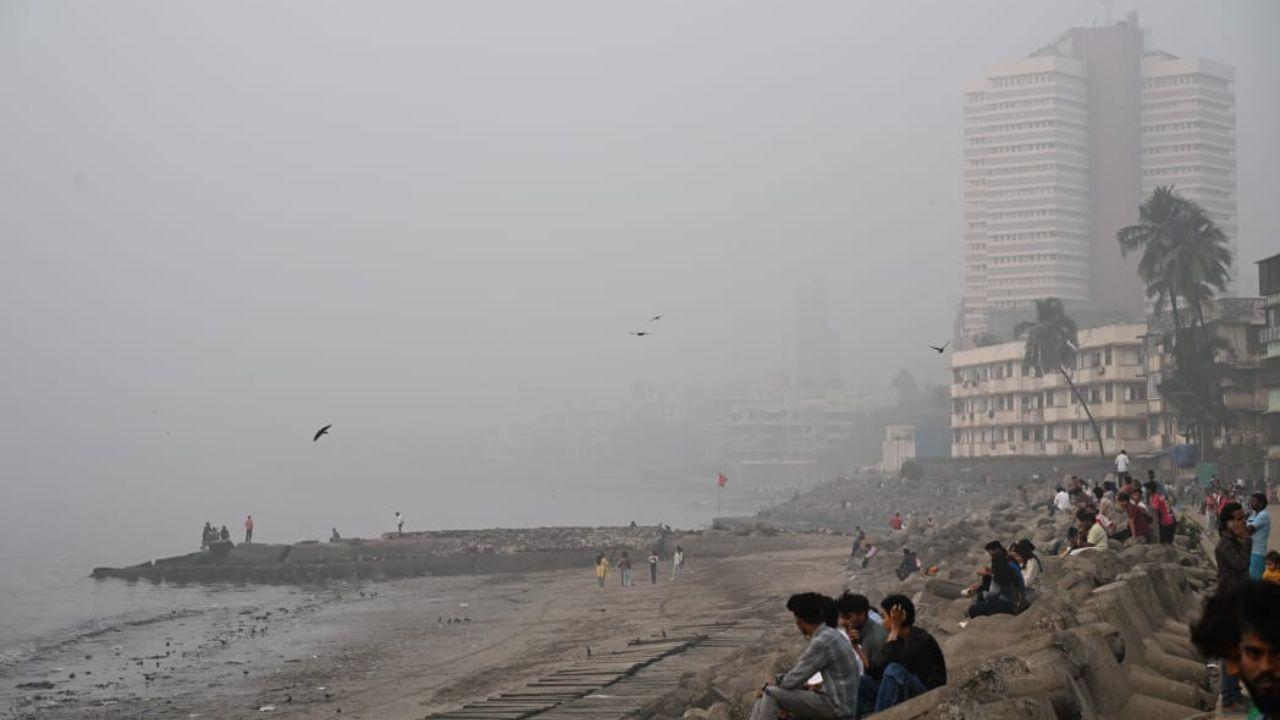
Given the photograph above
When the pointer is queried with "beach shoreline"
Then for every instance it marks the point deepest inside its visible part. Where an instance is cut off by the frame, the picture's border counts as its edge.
(409, 647)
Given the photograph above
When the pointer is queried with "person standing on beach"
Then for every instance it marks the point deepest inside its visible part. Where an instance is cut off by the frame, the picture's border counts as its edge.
(624, 565)
(399, 523)
(653, 567)
(248, 529)
(677, 564)
(602, 568)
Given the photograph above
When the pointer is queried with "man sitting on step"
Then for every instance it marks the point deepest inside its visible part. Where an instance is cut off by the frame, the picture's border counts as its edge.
(829, 654)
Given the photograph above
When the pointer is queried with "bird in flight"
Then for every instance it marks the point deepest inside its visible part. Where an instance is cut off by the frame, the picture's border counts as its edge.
(322, 431)
(940, 350)
(656, 318)
(641, 333)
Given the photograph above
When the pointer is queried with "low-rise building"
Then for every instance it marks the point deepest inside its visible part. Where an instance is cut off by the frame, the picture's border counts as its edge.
(898, 447)
(1235, 324)
(1000, 408)
(1269, 342)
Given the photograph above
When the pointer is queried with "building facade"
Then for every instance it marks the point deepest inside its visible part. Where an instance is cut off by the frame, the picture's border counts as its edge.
(898, 447)
(1060, 149)
(1269, 340)
(1000, 408)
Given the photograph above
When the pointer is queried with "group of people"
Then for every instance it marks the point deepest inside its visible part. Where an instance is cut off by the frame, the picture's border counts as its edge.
(211, 535)
(623, 563)
(1009, 583)
(858, 660)
(1240, 624)
(1105, 513)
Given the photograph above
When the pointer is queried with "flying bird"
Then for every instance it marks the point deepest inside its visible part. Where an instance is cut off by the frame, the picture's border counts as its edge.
(656, 318)
(642, 333)
(940, 350)
(322, 431)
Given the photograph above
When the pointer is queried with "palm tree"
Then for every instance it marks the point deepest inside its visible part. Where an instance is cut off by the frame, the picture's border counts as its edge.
(1184, 255)
(1052, 343)
(1161, 225)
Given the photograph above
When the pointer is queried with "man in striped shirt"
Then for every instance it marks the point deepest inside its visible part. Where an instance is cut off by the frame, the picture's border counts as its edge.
(829, 654)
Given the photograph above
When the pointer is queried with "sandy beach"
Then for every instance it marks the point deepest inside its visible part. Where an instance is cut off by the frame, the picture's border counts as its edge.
(405, 648)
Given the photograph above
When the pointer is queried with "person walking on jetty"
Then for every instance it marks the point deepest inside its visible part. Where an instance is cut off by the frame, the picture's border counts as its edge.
(248, 530)
(602, 569)
(1259, 529)
(399, 523)
(829, 654)
(624, 567)
(677, 564)
(653, 567)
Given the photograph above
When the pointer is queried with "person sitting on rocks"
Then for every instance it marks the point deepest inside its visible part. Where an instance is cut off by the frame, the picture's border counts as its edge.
(868, 637)
(1093, 531)
(895, 522)
(334, 536)
(913, 661)
(830, 654)
(872, 552)
(1061, 501)
(910, 563)
(1023, 553)
(1139, 525)
(1000, 590)
(1240, 625)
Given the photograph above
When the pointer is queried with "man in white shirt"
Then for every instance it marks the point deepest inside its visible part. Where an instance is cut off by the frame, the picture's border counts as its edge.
(1062, 500)
(1122, 466)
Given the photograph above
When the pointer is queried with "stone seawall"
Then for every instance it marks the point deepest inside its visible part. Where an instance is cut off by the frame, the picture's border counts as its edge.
(453, 552)
(1107, 635)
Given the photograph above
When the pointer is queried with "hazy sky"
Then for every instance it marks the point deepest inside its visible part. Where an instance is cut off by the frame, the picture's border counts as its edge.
(236, 221)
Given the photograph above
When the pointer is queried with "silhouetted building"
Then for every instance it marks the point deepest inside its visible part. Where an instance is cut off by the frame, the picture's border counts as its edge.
(817, 346)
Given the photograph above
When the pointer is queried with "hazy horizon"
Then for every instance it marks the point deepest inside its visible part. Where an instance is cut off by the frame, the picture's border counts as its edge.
(227, 224)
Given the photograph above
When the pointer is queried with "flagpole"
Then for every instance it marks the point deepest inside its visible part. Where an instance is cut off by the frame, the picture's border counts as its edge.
(719, 498)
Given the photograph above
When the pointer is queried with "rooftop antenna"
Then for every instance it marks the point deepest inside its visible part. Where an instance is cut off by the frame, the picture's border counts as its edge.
(1108, 12)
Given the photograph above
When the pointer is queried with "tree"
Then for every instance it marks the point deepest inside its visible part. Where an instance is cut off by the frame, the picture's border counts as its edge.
(1161, 225)
(1184, 255)
(1051, 345)
(905, 386)
(911, 470)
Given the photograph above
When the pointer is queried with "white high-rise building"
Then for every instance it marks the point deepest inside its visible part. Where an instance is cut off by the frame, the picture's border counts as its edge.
(1026, 187)
(1189, 133)
(1061, 148)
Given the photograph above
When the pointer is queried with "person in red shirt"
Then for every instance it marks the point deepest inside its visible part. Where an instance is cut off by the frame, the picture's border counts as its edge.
(1139, 521)
(895, 522)
(1161, 511)
(248, 529)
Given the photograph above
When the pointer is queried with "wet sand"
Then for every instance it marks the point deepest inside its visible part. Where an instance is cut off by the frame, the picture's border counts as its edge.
(404, 648)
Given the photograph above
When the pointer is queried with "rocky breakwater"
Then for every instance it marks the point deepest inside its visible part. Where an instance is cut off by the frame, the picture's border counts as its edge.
(1106, 637)
(447, 552)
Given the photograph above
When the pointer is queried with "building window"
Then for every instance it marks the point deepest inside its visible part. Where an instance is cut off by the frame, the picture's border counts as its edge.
(1106, 356)
(1110, 390)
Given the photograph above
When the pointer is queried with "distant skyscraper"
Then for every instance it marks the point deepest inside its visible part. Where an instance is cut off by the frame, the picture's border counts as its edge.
(817, 347)
(1060, 149)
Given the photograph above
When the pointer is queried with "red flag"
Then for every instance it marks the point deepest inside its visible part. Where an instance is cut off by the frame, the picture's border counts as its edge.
(721, 480)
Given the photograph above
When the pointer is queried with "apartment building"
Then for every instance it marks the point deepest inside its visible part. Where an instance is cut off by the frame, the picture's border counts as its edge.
(1269, 341)
(1000, 408)
(1060, 149)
